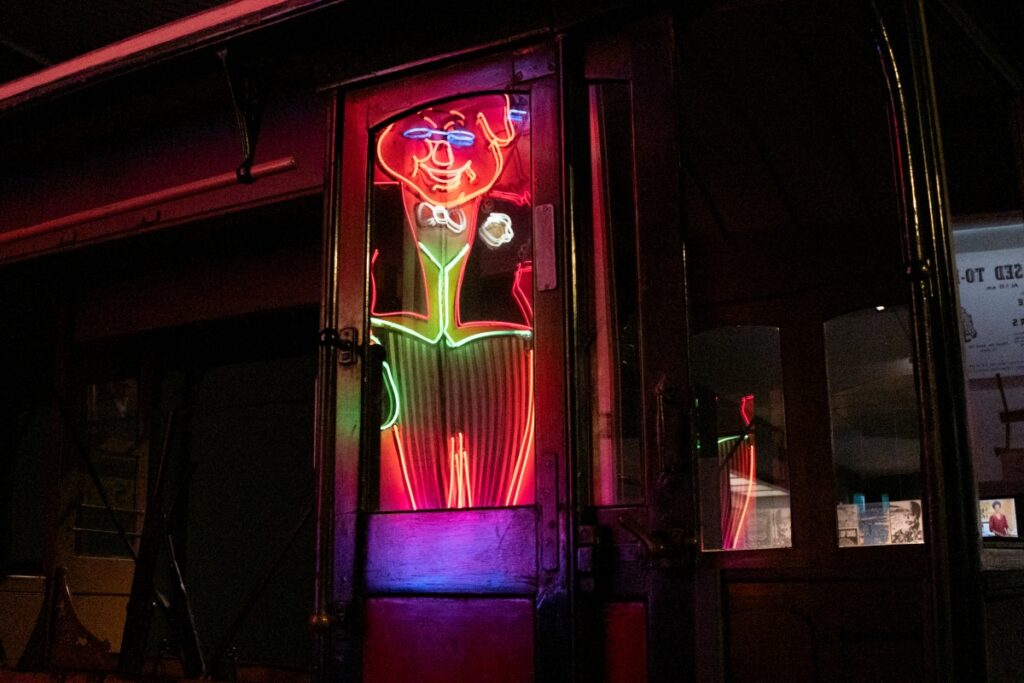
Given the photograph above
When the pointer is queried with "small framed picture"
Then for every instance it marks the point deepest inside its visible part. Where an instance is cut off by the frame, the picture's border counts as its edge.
(998, 517)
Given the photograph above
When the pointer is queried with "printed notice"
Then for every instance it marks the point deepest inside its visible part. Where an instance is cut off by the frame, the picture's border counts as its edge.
(992, 311)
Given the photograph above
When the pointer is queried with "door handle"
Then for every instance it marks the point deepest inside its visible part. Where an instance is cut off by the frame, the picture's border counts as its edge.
(665, 547)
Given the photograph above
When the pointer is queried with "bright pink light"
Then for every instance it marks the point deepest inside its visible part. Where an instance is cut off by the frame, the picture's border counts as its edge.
(397, 432)
(521, 290)
(747, 409)
(747, 412)
(525, 448)
(464, 435)
(517, 198)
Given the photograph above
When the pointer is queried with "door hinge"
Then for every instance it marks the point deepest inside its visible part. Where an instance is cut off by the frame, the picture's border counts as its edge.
(587, 539)
(345, 341)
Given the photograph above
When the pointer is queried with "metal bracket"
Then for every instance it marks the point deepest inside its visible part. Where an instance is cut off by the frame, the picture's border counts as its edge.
(345, 341)
(667, 547)
(248, 103)
(918, 270)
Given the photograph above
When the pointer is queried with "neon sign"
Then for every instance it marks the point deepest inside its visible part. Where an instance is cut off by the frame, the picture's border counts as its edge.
(457, 430)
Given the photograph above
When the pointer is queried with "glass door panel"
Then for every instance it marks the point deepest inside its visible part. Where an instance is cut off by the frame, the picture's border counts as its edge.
(875, 438)
(742, 465)
(451, 303)
(447, 428)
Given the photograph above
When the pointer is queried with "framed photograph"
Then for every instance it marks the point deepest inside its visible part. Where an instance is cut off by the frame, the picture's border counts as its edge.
(998, 517)
(905, 521)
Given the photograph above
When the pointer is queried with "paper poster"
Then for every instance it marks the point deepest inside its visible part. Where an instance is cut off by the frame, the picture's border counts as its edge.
(992, 311)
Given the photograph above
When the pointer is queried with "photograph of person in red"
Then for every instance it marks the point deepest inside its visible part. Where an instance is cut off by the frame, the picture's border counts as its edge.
(997, 522)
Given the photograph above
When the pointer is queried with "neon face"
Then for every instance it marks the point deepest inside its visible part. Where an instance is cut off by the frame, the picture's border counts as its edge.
(448, 155)
(457, 425)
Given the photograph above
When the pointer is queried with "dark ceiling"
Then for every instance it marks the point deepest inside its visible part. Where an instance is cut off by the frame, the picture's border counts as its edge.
(35, 34)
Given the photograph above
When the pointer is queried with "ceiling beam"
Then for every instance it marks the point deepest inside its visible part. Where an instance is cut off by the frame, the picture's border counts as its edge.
(184, 35)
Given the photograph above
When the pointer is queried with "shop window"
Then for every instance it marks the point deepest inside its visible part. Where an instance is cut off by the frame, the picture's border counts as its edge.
(990, 266)
(112, 502)
(736, 373)
(614, 337)
(875, 440)
(452, 303)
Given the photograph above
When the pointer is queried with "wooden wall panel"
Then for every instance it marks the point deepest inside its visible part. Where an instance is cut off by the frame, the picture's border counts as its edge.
(480, 551)
(624, 651)
(429, 640)
(828, 630)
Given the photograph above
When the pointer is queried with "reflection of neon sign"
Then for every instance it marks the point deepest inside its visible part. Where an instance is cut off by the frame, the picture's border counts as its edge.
(739, 456)
(747, 413)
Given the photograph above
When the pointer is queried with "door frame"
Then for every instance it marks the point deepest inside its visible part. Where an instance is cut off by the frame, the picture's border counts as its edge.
(343, 444)
(643, 555)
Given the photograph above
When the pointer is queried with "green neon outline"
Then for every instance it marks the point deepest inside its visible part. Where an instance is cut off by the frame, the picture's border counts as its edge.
(392, 387)
(445, 305)
(399, 327)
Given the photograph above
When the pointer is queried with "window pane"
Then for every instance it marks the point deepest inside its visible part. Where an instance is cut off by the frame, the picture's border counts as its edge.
(452, 304)
(875, 441)
(743, 473)
(118, 452)
(990, 263)
(614, 358)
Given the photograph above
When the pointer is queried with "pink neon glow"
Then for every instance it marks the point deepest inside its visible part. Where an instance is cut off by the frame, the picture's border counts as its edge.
(446, 169)
(210, 23)
(460, 489)
(494, 324)
(747, 409)
(749, 454)
(521, 291)
(517, 198)
(397, 432)
(464, 432)
(525, 448)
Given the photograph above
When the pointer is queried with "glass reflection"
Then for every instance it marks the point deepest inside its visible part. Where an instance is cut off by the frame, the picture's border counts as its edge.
(875, 440)
(736, 374)
(615, 336)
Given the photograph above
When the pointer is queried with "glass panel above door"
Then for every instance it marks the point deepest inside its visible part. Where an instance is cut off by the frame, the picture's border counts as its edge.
(742, 470)
(451, 303)
(875, 438)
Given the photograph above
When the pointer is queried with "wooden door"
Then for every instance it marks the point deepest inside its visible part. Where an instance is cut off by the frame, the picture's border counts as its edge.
(635, 541)
(444, 318)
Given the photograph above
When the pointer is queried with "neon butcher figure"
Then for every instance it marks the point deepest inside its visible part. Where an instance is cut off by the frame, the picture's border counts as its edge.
(458, 411)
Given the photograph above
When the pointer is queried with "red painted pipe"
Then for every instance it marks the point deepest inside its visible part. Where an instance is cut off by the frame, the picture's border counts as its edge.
(195, 187)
